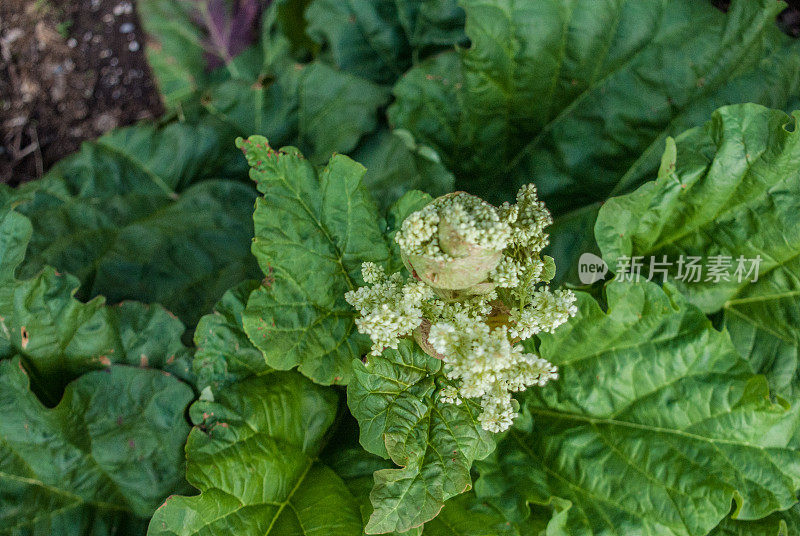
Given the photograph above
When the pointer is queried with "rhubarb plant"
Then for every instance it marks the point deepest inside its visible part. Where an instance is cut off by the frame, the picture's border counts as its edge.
(419, 267)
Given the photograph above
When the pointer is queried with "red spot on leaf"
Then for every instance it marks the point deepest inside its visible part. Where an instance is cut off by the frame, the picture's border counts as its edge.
(269, 279)
(25, 337)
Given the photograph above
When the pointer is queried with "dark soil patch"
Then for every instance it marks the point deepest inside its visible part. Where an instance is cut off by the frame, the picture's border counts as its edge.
(70, 70)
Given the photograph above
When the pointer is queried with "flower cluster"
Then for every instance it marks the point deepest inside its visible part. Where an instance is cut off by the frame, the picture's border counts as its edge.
(478, 287)
(488, 366)
(464, 218)
(390, 307)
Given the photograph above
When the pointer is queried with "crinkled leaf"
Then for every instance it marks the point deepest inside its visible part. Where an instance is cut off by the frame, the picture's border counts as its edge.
(778, 524)
(59, 338)
(654, 426)
(319, 109)
(432, 23)
(149, 158)
(377, 39)
(434, 443)
(730, 188)
(464, 515)
(334, 110)
(355, 467)
(131, 216)
(396, 164)
(363, 37)
(313, 229)
(224, 354)
(242, 107)
(387, 398)
(253, 455)
(97, 463)
(571, 94)
(579, 96)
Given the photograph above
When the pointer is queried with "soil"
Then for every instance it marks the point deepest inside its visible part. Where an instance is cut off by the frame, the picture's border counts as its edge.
(70, 70)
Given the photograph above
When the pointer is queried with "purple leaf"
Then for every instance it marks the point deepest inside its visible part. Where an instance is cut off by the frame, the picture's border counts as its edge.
(231, 26)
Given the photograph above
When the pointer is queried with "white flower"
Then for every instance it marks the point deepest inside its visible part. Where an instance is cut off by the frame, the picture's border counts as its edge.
(498, 413)
(469, 218)
(507, 273)
(543, 313)
(531, 219)
(418, 233)
(478, 283)
(390, 308)
(449, 394)
(488, 366)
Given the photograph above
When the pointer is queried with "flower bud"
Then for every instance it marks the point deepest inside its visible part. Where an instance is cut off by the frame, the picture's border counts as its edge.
(454, 243)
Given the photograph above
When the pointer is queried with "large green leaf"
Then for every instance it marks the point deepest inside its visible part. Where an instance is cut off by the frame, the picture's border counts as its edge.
(334, 110)
(778, 524)
(174, 47)
(728, 189)
(133, 218)
(224, 354)
(571, 94)
(464, 515)
(378, 39)
(431, 23)
(313, 229)
(363, 37)
(243, 107)
(400, 417)
(96, 464)
(355, 467)
(578, 96)
(60, 338)
(396, 164)
(313, 106)
(654, 427)
(253, 455)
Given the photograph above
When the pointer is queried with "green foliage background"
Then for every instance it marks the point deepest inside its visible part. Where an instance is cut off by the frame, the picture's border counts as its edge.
(160, 278)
